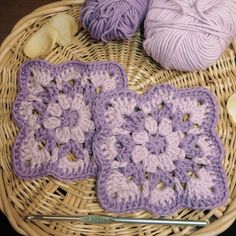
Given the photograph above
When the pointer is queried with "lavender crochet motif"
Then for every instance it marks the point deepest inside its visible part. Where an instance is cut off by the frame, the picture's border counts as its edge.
(53, 111)
(158, 152)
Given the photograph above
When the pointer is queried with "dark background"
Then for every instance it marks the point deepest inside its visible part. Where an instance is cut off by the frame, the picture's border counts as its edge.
(10, 12)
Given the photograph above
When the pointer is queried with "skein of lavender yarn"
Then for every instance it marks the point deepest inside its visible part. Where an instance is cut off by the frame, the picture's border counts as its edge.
(109, 20)
(189, 35)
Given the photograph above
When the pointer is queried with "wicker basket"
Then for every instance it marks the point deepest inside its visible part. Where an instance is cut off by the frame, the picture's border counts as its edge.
(50, 196)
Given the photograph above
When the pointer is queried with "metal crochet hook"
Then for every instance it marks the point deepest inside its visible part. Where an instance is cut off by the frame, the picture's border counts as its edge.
(96, 219)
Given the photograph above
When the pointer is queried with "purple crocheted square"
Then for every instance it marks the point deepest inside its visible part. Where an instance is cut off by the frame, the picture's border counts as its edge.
(53, 111)
(159, 151)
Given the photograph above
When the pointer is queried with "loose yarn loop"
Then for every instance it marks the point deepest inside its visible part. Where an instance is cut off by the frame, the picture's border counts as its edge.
(109, 20)
(189, 35)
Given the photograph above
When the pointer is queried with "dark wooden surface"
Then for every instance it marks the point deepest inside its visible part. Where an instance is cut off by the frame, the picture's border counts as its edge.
(10, 12)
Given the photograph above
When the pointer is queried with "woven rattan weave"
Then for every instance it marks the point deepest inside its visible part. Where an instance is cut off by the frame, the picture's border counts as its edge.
(19, 198)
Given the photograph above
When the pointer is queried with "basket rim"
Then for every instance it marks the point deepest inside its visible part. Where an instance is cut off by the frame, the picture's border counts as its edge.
(29, 19)
(17, 222)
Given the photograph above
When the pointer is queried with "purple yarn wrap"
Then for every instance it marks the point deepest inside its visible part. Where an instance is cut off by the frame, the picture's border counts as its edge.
(189, 35)
(109, 20)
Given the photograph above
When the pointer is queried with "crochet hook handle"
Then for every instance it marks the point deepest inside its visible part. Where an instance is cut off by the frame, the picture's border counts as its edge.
(96, 219)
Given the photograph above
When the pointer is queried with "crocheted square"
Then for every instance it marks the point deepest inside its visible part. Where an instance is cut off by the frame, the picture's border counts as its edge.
(158, 152)
(53, 111)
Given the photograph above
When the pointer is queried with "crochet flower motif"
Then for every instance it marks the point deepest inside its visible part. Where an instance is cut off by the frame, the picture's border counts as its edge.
(53, 111)
(71, 119)
(158, 152)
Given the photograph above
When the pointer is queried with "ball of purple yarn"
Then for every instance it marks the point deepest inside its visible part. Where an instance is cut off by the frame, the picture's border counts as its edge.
(109, 20)
(189, 35)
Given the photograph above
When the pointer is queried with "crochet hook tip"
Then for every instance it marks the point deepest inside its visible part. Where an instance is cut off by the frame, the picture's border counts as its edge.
(29, 218)
(39, 217)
